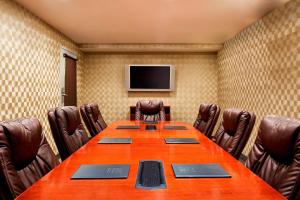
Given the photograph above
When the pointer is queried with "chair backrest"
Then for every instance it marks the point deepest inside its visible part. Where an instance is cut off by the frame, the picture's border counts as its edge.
(150, 110)
(67, 130)
(25, 155)
(58, 139)
(86, 120)
(234, 131)
(92, 118)
(275, 156)
(207, 118)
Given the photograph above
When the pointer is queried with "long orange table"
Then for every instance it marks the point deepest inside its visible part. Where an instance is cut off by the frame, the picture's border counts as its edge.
(150, 145)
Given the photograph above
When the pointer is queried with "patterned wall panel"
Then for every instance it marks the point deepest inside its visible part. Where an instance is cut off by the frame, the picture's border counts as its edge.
(29, 65)
(196, 82)
(259, 68)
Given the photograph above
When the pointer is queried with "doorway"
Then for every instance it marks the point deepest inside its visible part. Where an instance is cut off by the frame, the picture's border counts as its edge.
(68, 78)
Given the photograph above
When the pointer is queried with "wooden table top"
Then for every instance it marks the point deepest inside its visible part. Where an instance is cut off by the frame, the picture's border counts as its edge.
(150, 145)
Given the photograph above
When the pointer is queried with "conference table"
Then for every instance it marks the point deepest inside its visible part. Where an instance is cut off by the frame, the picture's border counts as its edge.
(150, 145)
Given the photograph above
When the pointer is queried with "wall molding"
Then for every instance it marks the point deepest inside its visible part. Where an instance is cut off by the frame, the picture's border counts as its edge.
(151, 48)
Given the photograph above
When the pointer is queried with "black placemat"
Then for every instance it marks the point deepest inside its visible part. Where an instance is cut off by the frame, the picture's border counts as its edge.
(115, 141)
(199, 171)
(111, 171)
(181, 141)
(175, 128)
(128, 127)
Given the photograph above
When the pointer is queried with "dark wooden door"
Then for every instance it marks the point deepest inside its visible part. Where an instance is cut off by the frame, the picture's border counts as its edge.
(70, 96)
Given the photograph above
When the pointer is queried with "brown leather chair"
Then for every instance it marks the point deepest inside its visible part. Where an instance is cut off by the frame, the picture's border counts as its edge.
(25, 156)
(67, 130)
(92, 118)
(150, 110)
(207, 118)
(275, 156)
(234, 131)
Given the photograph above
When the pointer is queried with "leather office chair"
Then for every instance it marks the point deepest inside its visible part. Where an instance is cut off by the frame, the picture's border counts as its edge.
(234, 131)
(207, 118)
(92, 118)
(150, 111)
(25, 156)
(275, 156)
(67, 130)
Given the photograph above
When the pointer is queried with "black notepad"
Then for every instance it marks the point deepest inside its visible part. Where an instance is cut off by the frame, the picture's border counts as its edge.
(175, 128)
(113, 171)
(115, 141)
(181, 141)
(199, 171)
(128, 127)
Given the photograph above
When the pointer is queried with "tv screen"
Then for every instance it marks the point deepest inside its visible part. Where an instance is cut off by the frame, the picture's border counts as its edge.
(150, 78)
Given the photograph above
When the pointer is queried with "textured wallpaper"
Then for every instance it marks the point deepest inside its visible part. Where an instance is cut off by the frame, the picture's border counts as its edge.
(196, 82)
(259, 68)
(29, 65)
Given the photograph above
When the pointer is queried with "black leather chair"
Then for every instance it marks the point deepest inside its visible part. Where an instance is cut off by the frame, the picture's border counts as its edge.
(275, 156)
(234, 131)
(67, 130)
(207, 118)
(25, 156)
(150, 111)
(92, 118)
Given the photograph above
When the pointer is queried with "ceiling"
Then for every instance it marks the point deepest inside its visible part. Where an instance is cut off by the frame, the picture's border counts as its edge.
(150, 21)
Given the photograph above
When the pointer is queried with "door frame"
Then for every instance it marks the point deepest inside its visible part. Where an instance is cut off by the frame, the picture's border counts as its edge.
(62, 71)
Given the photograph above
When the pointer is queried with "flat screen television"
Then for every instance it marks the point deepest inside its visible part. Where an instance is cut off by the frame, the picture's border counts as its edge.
(150, 77)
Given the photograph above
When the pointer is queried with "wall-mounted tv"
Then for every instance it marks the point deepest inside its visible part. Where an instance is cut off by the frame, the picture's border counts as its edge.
(150, 77)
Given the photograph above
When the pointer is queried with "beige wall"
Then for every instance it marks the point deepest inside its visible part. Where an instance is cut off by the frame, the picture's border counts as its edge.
(196, 82)
(259, 68)
(29, 65)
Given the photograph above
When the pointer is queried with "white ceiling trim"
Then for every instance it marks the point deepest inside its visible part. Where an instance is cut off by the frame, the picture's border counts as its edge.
(151, 48)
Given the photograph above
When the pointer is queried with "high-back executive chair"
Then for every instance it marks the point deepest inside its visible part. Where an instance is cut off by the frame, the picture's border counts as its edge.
(207, 118)
(275, 156)
(67, 130)
(148, 110)
(234, 131)
(92, 118)
(25, 156)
